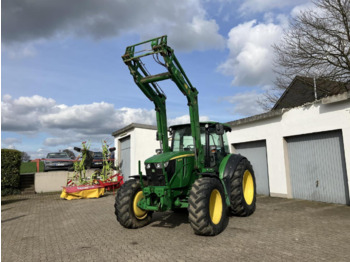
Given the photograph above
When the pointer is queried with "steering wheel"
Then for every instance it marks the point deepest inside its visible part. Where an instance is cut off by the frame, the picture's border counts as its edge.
(189, 147)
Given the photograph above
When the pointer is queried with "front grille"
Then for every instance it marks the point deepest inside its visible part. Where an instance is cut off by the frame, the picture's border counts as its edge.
(155, 177)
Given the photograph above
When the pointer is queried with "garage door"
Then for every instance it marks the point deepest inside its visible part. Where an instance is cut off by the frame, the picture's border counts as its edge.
(317, 167)
(255, 152)
(125, 157)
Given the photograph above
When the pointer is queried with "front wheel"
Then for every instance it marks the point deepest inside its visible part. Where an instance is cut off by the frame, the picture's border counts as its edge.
(207, 207)
(243, 190)
(128, 213)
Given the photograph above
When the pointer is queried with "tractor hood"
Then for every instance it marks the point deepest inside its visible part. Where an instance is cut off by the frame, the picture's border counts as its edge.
(164, 157)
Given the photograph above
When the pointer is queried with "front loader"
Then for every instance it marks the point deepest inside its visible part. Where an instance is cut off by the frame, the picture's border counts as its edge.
(196, 172)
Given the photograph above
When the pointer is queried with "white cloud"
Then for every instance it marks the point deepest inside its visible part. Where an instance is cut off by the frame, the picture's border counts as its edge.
(11, 140)
(199, 34)
(250, 59)
(245, 104)
(70, 125)
(39, 153)
(303, 7)
(185, 119)
(259, 6)
(40, 114)
(30, 22)
(20, 50)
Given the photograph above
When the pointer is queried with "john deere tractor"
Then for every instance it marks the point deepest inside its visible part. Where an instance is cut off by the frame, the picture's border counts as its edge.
(196, 172)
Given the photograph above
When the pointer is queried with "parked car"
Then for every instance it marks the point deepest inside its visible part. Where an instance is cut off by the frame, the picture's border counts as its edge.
(97, 161)
(58, 161)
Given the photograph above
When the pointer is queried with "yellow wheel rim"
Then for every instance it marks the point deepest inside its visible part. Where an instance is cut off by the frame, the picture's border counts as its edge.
(248, 187)
(215, 206)
(139, 213)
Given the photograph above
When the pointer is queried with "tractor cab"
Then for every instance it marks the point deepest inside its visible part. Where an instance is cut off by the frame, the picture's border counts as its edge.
(213, 140)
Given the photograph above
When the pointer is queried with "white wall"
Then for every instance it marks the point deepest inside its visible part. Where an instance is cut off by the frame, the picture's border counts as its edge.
(50, 181)
(143, 144)
(302, 120)
(53, 181)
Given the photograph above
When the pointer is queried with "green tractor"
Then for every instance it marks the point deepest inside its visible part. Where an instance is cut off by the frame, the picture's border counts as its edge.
(196, 172)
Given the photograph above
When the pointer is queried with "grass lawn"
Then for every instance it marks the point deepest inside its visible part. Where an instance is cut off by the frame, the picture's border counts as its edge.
(30, 167)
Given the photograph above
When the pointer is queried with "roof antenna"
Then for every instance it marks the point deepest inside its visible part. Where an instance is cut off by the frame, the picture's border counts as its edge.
(315, 91)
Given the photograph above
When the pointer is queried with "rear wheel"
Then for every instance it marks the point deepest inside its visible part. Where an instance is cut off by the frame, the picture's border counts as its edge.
(207, 207)
(128, 213)
(243, 190)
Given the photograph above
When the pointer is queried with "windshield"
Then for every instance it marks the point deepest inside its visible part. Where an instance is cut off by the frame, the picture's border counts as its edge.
(98, 155)
(57, 155)
(183, 140)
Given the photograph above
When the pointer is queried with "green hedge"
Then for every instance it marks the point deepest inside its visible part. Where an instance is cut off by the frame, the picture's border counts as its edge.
(30, 167)
(10, 166)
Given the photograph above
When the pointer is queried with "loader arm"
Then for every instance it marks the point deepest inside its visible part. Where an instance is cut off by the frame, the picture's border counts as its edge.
(148, 85)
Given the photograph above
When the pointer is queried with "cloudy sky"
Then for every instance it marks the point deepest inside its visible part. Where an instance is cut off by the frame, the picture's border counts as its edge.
(63, 80)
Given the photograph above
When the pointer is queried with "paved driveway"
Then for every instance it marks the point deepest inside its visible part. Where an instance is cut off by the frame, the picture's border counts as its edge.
(46, 228)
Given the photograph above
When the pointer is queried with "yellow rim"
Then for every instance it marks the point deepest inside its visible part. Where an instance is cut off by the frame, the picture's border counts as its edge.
(248, 187)
(215, 206)
(139, 213)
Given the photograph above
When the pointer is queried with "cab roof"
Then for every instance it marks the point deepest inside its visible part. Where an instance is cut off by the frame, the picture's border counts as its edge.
(210, 123)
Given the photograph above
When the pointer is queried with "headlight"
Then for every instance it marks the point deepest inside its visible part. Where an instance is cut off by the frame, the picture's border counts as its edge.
(159, 165)
(148, 166)
(166, 164)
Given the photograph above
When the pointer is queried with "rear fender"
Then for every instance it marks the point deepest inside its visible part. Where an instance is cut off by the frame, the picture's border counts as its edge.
(227, 168)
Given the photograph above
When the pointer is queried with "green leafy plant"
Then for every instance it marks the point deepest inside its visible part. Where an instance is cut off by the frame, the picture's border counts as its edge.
(79, 177)
(79, 166)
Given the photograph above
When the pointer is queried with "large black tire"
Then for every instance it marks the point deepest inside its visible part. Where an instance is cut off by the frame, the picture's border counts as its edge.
(207, 207)
(128, 214)
(243, 190)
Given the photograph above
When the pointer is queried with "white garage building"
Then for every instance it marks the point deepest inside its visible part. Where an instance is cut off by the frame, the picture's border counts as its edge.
(133, 143)
(301, 152)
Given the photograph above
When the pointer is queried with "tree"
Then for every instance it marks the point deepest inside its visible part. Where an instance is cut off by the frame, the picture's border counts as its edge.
(69, 153)
(317, 44)
(25, 157)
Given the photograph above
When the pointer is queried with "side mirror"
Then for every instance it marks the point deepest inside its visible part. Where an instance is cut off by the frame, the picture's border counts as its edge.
(112, 149)
(219, 129)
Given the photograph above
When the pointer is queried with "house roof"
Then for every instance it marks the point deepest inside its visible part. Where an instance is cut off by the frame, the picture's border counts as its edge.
(255, 118)
(301, 91)
(132, 126)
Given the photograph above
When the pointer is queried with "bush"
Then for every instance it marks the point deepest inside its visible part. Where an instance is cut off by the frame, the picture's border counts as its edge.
(10, 191)
(10, 166)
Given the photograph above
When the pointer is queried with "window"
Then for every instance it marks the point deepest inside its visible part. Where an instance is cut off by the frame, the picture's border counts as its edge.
(57, 155)
(183, 140)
